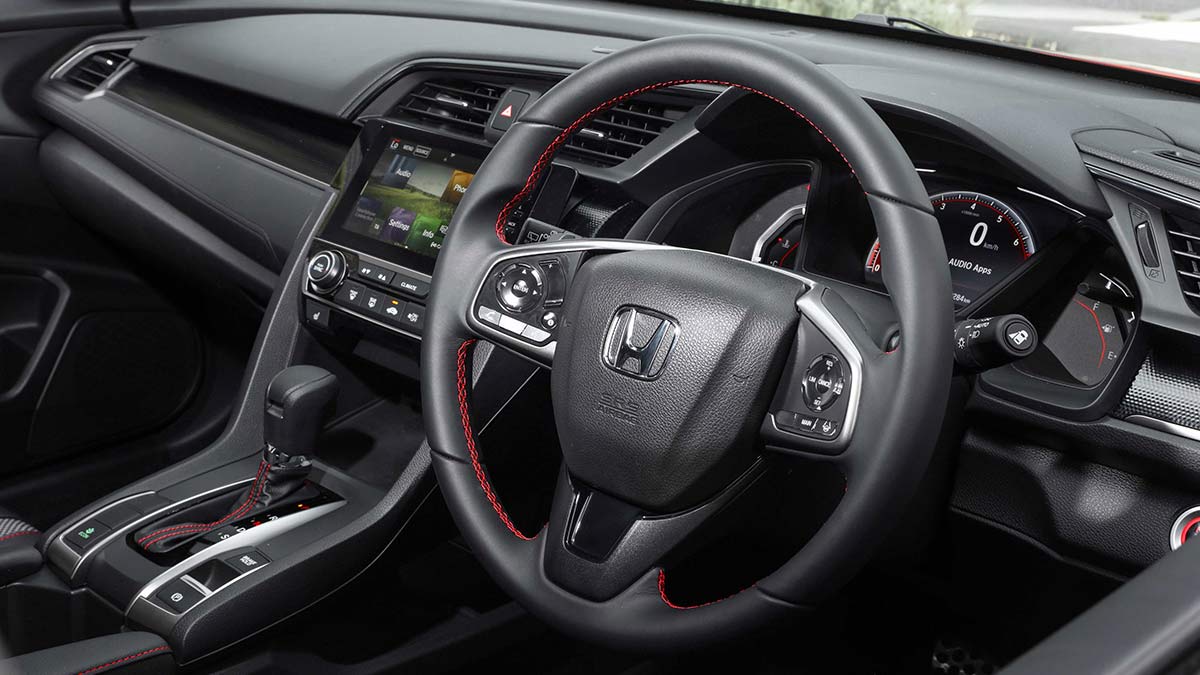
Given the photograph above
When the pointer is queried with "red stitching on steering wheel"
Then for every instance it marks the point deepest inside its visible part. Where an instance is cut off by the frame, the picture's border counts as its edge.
(552, 149)
(464, 410)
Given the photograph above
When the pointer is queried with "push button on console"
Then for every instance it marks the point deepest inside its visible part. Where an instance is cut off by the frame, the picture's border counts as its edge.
(180, 596)
(85, 535)
(246, 561)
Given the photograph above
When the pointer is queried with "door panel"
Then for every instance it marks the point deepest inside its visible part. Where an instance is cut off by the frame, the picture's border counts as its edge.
(109, 369)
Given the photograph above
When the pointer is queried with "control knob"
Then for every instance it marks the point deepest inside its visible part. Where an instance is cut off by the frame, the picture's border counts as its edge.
(326, 271)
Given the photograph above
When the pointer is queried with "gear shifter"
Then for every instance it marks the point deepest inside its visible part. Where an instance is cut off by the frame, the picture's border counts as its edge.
(299, 399)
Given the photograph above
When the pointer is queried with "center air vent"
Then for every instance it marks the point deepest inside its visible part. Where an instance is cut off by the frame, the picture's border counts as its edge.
(461, 106)
(1184, 239)
(93, 69)
(618, 133)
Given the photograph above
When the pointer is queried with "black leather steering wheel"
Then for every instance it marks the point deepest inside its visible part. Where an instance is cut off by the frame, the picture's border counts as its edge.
(667, 436)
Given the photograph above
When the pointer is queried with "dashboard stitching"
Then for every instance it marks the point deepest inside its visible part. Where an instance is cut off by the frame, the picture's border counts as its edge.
(540, 166)
(464, 410)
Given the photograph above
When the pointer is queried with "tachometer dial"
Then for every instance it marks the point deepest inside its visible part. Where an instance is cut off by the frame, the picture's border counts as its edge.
(985, 240)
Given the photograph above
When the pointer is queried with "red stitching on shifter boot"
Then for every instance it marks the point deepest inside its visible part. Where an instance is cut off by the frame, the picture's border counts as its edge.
(260, 481)
(464, 410)
(552, 149)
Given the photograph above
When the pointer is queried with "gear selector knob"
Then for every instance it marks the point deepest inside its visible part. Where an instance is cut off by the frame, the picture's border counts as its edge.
(299, 399)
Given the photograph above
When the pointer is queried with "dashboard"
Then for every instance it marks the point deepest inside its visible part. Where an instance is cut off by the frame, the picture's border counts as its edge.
(1066, 209)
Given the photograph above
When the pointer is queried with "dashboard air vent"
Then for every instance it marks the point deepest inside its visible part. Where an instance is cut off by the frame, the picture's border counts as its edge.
(461, 106)
(618, 133)
(96, 68)
(1184, 239)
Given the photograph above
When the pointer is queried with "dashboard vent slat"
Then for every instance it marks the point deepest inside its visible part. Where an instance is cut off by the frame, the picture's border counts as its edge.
(94, 69)
(1183, 238)
(622, 131)
(459, 106)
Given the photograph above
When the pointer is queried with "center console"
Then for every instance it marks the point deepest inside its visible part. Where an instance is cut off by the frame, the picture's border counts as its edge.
(309, 483)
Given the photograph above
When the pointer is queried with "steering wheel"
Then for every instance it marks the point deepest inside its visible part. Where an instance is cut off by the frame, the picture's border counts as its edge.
(673, 369)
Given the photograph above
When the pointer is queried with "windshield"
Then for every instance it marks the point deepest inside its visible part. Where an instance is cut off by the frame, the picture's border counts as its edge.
(1158, 35)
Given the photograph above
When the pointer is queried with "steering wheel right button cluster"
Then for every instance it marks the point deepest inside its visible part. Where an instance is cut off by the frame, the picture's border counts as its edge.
(823, 382)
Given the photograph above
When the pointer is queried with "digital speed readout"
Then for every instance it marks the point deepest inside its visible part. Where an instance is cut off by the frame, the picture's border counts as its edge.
(985, 241)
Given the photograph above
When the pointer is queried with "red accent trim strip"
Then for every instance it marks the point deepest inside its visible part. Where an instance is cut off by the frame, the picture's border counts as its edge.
(126, 659)
(552, 149)
(195, 528)
(22, 533)
(464, 410)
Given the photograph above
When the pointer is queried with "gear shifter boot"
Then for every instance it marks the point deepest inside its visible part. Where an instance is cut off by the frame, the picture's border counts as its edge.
(298, 402)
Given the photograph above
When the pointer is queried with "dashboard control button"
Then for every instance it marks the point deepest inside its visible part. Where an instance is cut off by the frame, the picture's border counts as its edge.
(179, 595)
(549, 321)
(512, 325)
(519, 287)
(535, 334)
(383, 275)
(326, 270)
(489, 315)
(786, 419)
(407, 284)
(373, 301)
(316, 314)
(350, 294)
(823, 382)
(390, 308)
(413, 317)
(508, 108)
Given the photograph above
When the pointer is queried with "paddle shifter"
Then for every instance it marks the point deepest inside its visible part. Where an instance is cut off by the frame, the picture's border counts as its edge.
(299, 399)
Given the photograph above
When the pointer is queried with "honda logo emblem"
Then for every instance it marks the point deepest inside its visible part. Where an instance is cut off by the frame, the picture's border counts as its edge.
(638, 342)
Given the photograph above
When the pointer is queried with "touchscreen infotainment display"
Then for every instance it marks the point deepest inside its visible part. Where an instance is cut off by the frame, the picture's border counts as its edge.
(410, 195)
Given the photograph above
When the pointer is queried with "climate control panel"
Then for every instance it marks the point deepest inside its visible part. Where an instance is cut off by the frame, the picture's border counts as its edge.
(356, 285)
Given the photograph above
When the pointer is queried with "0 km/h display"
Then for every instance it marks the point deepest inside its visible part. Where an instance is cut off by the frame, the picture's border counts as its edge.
(985, 241)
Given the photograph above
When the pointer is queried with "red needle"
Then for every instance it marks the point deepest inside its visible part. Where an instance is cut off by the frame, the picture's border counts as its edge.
(1099, 331)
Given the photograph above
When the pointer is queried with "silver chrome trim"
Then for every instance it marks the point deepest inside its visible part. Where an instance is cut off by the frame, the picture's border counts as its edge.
(1184, 518)
(786, 218)
(1164, 426)
(810, 306)
(252, 537)
(121, 531)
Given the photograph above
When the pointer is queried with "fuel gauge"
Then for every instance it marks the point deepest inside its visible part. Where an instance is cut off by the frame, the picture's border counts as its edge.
(1089, 336)
(781, 251)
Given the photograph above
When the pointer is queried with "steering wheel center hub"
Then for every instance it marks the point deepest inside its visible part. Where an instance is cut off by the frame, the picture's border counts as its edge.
(667, 360)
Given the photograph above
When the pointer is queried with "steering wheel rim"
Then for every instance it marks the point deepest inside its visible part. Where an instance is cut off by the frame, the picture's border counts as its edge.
(903, 393)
